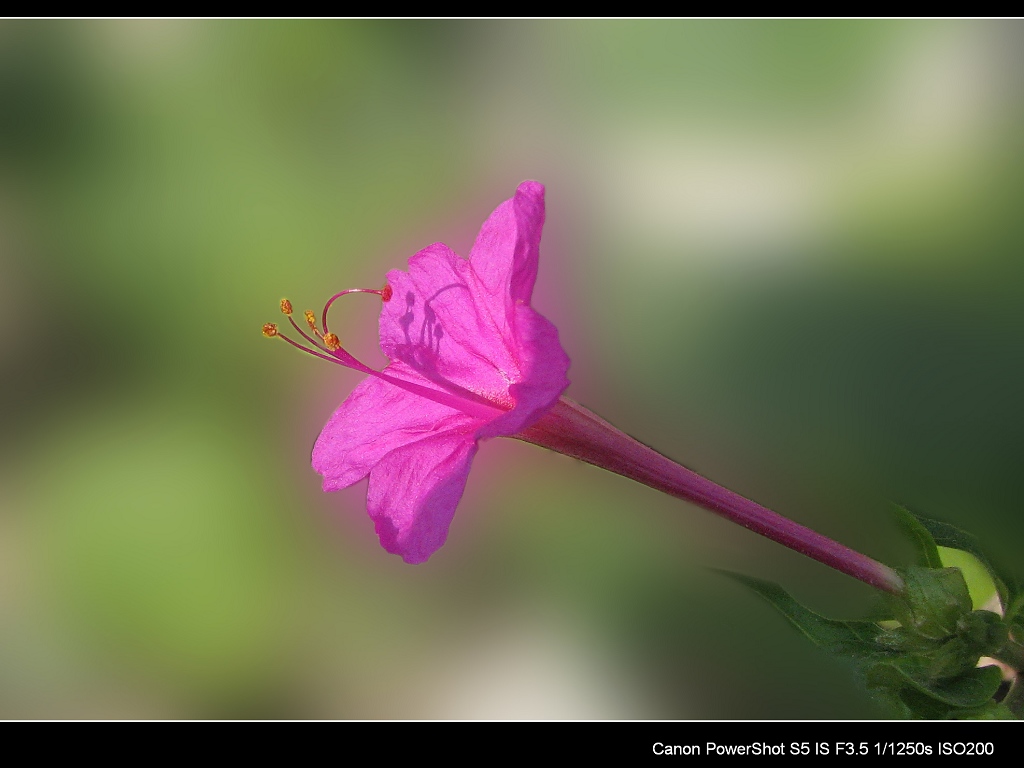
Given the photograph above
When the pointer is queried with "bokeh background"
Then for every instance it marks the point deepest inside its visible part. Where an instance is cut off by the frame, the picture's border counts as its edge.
(787, 254)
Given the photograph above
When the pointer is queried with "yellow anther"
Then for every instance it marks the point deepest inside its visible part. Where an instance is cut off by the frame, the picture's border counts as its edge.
(286, 306)
(332, 342)
(270, 330)
(311, 320)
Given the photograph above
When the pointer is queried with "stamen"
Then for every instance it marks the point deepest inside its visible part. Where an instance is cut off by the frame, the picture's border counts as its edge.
(306, 336)
(331, 343)
(322, 356)
(270, 330)
(386, 293)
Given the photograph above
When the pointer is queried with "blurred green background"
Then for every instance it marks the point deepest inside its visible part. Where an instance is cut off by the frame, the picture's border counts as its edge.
(787, 254)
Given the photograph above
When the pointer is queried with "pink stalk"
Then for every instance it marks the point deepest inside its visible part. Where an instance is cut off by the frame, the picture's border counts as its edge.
(571, 429)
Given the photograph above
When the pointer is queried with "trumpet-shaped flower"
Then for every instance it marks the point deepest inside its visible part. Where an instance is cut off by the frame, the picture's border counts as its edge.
(470, 359)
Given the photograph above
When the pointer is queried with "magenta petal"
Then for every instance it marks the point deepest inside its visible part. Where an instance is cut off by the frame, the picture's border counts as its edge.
(507, 250)
(544, 365)
(374, 420)
(414, 490)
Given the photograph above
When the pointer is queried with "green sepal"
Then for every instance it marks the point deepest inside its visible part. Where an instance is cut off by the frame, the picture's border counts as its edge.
(984, 630)
(933, 601)
(939, 635)
(930, 659)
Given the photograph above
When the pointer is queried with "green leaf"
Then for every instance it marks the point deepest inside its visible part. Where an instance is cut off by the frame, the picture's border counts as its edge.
(857, 639)
(910, 704)
(990, 711)
(927, 551)
(969, 690)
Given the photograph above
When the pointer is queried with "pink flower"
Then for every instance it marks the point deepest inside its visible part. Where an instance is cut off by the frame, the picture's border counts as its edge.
(470, 359)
